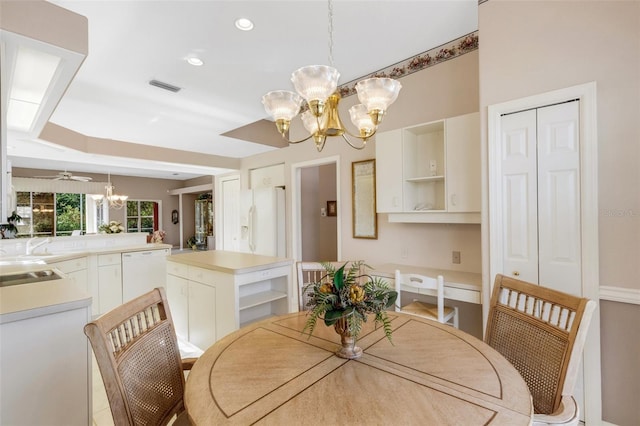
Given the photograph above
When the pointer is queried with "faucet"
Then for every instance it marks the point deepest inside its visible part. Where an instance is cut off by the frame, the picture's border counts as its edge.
(31, 246)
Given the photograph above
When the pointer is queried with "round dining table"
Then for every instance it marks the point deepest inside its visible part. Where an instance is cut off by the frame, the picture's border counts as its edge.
(270, 373)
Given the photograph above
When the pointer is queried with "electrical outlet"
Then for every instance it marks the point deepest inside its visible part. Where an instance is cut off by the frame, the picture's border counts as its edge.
(455, 257)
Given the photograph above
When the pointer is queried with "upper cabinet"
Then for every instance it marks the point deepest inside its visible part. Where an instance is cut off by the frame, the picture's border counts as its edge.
(430, 172)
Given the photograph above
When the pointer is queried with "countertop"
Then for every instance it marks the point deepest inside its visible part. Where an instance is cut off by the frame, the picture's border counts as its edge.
(24, 301)
(15, 263)
(229, 262)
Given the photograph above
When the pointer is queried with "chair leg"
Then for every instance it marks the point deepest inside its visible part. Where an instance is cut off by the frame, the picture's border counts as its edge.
(455, 317)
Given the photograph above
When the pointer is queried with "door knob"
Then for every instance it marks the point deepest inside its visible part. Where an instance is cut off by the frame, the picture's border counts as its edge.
(516, 273)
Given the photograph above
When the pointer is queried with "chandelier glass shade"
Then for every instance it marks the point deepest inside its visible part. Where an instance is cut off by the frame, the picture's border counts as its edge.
(317, 86)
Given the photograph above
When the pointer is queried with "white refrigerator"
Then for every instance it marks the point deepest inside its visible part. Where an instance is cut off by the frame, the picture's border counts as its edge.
(262, 221)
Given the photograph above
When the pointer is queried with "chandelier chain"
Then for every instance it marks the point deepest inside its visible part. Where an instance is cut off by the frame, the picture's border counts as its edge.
(330, 12)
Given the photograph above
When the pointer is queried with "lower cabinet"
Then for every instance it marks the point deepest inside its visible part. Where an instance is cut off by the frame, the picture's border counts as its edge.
(193, 309)
(206, 305)
(109, 282)
(76, 270)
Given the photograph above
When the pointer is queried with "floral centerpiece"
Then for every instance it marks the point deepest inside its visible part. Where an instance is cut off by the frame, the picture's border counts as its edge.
(158, 237)
(112, 227)
(343, 298)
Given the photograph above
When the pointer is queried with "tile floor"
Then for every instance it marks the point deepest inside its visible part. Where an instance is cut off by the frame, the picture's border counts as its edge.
(101, 410)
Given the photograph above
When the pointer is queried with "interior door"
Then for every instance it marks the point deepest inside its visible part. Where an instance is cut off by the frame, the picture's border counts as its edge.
(519, 196)
(559, 223)
(541, 200)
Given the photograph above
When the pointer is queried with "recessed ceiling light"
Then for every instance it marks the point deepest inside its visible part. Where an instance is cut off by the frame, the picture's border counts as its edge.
(196, 62)
(244, 24)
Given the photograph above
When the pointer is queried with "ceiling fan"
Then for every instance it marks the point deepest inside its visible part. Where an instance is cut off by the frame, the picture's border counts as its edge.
(66, 176)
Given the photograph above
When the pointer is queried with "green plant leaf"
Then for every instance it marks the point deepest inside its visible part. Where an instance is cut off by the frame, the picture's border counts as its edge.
(332, 317)
(338, 278)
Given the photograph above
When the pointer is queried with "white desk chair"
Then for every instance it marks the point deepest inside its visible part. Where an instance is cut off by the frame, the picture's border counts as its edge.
(415, 283)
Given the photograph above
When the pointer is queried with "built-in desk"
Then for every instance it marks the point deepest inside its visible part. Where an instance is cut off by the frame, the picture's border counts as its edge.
(458, 285)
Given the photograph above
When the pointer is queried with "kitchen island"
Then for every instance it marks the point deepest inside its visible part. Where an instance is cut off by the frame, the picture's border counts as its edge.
(45, 359)
(213, 293)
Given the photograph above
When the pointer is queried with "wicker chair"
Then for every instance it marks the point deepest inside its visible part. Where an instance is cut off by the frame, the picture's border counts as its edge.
(136, 349)
(311, 272)
(541, 332)
(416, 283)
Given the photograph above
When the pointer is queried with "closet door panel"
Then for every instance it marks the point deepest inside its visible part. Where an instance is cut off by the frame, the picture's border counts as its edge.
(519, 194)
(559, 197)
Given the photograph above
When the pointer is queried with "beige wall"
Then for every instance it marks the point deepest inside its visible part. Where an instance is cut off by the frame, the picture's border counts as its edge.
(531, 47)
(448, 89)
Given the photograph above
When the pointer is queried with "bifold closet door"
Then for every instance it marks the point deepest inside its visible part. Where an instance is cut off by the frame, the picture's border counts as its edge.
(541, 196)
(559, 245)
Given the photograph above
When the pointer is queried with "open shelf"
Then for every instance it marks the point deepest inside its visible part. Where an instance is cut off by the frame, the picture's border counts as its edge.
(425, 179)
(256, 299)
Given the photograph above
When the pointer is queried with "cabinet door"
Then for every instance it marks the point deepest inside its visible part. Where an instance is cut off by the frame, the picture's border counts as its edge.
(109, 287)
(178, 297)
(389, 171)
(202, 315)
(463, 163)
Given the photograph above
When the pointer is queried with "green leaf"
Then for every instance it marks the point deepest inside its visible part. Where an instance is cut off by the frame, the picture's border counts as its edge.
(332, 317)
(393, 295)
(338, 278)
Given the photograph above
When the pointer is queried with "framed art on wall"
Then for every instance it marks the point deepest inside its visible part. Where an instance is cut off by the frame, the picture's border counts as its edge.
(365, 220)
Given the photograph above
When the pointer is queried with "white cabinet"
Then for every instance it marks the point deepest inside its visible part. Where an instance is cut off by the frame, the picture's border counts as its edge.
(76, 271)
(178, 297)
(463, 164)
(109, 282)
(430, 172)
(207, 304)
(389, 172)
(192, 303)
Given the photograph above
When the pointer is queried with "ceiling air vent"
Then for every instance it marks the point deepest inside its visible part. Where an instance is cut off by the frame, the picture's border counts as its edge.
(165, 86)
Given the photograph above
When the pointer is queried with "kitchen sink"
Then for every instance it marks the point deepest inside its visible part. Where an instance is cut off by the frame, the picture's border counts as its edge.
(28, 277)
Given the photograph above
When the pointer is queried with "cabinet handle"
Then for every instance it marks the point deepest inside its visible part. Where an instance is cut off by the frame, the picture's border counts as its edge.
(454, 199)
(516, 273)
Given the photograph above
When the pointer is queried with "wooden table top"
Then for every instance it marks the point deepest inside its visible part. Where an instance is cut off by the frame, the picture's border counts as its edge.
(270, 373)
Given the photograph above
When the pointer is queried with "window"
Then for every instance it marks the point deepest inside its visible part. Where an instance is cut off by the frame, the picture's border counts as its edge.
(50, 214)
(142, 216)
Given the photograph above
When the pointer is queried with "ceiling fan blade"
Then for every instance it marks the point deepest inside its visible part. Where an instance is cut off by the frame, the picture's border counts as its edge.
(66, 176)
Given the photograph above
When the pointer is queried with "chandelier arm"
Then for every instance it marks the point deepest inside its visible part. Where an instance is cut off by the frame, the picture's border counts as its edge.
(360, 137)
(364, 141)
(294, 142)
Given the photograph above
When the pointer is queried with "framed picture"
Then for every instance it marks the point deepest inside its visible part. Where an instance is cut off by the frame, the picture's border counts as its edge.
(365, 219)
(332, 208)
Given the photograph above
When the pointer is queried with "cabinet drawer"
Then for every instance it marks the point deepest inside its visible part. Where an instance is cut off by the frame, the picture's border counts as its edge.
(178, 269)
(109, 259)
(72, 265)
(201, 275)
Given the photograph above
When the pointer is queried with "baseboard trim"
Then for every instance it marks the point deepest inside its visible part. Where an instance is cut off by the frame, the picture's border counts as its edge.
(620, 294)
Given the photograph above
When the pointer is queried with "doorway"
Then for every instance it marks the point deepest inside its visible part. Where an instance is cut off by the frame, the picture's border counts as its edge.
(316, 231)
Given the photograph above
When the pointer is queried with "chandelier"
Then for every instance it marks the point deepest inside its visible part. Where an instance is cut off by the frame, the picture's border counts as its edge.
(114, 201)
(317, 85)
